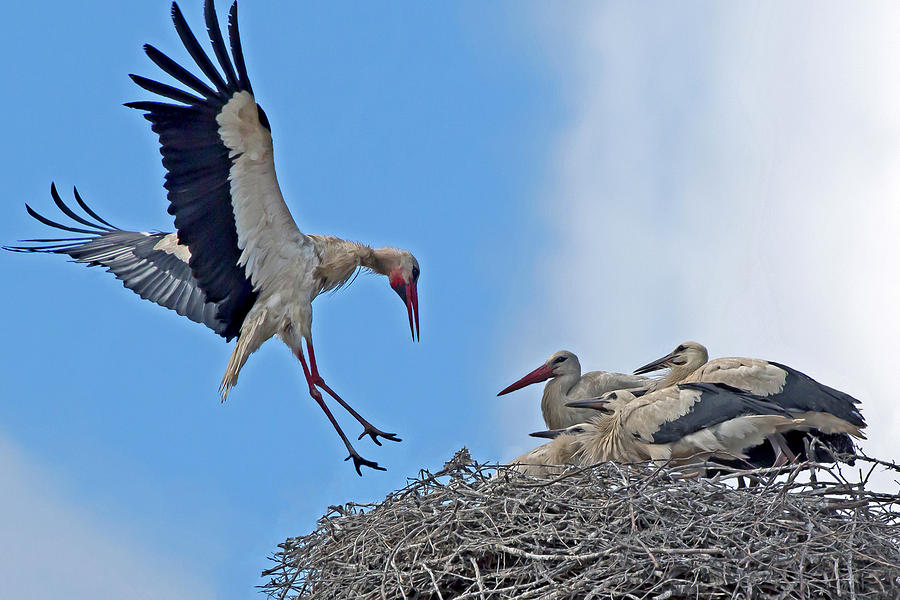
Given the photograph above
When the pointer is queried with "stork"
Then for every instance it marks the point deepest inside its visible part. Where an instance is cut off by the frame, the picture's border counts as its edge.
(678, 424)
(830, 415)
(568, 384)
(237, 262)
(548, 459)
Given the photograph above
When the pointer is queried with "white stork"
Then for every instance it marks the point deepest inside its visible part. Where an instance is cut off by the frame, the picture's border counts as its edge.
(548, 459)
(831, 415)
(237, 263)
(567, 384)
(681, 423)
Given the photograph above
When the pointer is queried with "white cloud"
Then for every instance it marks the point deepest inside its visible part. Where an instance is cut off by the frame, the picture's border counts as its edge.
(731, 174)
(52, 549)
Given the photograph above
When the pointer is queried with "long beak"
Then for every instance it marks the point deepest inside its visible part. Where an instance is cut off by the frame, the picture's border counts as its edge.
(410, 296)
(542, 373)
(412, 307)
(595, 403)
(549, 434)
(656, 365)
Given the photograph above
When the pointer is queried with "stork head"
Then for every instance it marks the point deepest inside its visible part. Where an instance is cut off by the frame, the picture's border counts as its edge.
(559, 363)
(688, 356)
(402, 270)
(573, 430)
(607, 403)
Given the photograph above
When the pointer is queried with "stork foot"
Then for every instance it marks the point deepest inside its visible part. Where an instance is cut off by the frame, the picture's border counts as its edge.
(375, 433)
(368, 428)
(359, 461)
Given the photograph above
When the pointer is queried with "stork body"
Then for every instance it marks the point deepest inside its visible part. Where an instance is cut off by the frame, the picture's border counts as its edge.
(682, 423)
(567, 384)
(548, 459)
(237, 263)
(830, 415)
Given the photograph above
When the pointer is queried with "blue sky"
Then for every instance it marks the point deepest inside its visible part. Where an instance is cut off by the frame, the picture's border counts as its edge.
(607, 178)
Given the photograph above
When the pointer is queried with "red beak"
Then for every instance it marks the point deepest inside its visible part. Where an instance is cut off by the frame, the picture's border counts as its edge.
(412, 307)
(410, 296)
(542, 373)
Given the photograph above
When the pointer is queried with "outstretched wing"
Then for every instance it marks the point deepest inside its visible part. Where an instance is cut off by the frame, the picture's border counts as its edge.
(222, 190)
(152, 265)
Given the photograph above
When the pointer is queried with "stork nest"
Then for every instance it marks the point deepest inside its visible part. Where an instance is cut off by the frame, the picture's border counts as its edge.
(607, 531)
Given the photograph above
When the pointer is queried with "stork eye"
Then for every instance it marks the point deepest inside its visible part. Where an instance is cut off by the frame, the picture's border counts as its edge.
(415, 273)
(680, 349)
(558, 360)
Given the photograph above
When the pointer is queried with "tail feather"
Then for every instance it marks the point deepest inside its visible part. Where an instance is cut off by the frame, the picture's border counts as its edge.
(250, 339)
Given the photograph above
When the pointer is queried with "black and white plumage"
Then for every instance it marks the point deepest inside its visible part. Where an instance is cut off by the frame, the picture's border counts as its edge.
(237, 263)
(831, 416)
(153, 265)
(680, 423)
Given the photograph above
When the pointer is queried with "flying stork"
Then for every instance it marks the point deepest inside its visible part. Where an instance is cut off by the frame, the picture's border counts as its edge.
(681, 423)
(567, 384)
(237, 263)
(832, 416)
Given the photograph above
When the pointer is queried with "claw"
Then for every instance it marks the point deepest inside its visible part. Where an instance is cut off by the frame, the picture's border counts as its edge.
(359, 461)
(375, 433)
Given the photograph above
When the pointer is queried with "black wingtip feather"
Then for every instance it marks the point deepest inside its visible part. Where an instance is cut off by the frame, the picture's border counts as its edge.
(36, 215)
(234, 35)
(178, 72)
(218, 43)
(70, 213)
(86, 209)
(165, 90)
(193, 47)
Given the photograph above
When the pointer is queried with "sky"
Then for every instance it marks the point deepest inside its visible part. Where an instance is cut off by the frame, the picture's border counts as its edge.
(608, 178)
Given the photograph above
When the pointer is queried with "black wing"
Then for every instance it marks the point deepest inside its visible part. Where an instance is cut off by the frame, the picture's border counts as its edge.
(144, 262)
(802, 393)
(718, 403)
(823, 448)
(198, 161)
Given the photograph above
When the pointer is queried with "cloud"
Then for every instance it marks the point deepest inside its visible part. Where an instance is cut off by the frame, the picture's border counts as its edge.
(52, 549)
(731, 174)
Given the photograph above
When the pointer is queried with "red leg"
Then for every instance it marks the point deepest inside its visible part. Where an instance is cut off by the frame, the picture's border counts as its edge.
(358, 460)
(783, 454)
(368, 428)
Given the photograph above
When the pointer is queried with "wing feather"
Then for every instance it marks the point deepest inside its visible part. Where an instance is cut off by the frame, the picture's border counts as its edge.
(178, 72)
(193, 47)
(222, 190)
(218, 44)
(782, 385)
(165, 90)
(150, 264)
(671, 414)
(234, 35)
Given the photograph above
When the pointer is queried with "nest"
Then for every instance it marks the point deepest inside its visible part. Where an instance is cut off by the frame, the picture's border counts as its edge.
(607, 531)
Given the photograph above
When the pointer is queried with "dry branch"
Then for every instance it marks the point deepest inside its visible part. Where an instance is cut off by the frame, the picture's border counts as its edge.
(482, 531)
